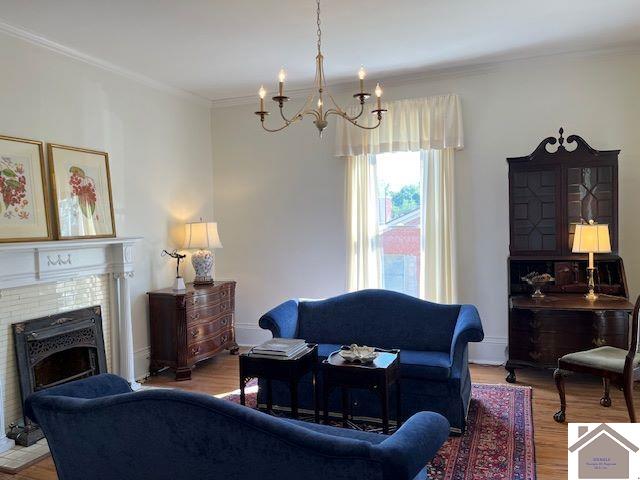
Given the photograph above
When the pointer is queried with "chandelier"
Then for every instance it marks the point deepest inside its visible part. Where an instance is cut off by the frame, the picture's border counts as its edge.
(316, 101)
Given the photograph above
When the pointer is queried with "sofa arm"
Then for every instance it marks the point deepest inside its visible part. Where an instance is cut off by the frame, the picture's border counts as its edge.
(103, 385)
(408, 450)
(282, 320)
(468, 329)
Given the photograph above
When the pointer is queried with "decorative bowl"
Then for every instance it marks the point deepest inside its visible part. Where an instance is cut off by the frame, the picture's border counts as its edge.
(358, 354)
(537, 281)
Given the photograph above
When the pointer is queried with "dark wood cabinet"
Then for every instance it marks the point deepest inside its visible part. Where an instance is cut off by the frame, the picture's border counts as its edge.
(550, 191)
(190, 326)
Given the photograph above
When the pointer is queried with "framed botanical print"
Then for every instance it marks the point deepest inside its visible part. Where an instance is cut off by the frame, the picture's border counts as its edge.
(82, 192)
(24, 202)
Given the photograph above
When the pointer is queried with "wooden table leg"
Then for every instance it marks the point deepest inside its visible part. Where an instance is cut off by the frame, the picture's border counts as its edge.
(384, 398)
(316, 399)
(398, 405)
(325, 401)
(269, 396)
(293, 386)
(345, 407)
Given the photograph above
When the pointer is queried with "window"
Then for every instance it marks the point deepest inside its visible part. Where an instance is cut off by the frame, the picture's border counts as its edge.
(399, 206)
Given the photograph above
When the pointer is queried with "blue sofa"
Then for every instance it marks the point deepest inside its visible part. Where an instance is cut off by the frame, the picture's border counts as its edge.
(432, 338)
(98, 429)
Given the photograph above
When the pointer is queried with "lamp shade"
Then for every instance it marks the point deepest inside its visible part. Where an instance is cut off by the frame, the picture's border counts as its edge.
(591, 238)
(202, 235)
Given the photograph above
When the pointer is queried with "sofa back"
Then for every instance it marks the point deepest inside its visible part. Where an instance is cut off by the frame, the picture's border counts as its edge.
(379, 318)
(167, 434)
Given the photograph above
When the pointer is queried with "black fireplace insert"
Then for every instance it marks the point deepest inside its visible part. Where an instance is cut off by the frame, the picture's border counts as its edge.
(54, 350)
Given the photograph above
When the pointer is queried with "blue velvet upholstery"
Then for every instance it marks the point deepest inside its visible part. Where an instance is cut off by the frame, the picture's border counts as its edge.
(433, 340)
(98, 429)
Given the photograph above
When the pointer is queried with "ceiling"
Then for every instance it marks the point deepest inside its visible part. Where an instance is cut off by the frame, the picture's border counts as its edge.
(222, 49)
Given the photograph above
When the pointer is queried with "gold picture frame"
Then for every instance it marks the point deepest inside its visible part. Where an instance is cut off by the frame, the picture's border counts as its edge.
(25, 209)
(81, 186)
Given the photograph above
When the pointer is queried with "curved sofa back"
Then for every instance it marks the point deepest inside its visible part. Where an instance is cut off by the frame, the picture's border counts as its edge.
(380, 318)
(175, 435)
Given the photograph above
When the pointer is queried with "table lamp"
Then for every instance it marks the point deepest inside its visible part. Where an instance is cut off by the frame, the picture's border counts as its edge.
(202, 236)
(591, 238)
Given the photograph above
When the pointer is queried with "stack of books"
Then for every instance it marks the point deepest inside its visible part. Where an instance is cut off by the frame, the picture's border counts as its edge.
(281, 348)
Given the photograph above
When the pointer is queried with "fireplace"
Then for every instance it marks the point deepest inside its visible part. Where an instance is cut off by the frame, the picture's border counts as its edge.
(54, 350)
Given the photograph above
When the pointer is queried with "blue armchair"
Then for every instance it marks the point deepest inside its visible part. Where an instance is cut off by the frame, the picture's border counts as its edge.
(432, 338)
(98, 429)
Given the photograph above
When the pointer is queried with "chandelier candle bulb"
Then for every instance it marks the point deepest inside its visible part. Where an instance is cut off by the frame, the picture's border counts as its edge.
(262, 93)
(378, 95)
(281, 76)
(361, 75)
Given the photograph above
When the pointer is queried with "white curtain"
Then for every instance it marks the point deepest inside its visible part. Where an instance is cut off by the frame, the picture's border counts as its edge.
(364, 253)
(433, 126)
(437, 252)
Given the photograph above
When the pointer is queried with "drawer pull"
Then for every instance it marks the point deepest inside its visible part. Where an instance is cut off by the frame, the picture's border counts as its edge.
(224, 321)
(195, 316)
(224, 306)
(194, 301)
(224, 293)
(195, 351)
(599, 341)
(224, 338)
(535, 355)
(194, 332)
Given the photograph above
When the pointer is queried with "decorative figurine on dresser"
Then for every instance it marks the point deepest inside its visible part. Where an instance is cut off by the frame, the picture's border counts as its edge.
(191, 325)
(561, 300)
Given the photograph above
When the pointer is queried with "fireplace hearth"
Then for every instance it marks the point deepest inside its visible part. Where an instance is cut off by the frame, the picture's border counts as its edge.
(54, 350)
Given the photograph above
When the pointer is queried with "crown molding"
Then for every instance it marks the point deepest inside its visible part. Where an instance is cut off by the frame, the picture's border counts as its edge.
(60, 49)
(408, 78)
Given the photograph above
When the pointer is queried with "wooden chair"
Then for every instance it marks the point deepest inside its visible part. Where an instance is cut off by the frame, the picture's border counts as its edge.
(615, 365)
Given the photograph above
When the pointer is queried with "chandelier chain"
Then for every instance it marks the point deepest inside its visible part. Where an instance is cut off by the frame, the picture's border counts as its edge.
(318, 23)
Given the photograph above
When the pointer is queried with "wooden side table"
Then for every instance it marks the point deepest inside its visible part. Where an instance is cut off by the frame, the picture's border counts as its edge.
(289, 371)
(377, 376)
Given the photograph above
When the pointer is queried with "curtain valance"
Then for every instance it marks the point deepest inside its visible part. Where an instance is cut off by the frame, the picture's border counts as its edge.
(408, 125)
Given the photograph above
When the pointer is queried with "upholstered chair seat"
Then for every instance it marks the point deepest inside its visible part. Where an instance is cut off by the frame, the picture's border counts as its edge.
(606, 358)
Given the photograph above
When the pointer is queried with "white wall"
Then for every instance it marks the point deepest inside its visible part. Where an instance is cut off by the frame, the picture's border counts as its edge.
(280, 198)
(159, 148)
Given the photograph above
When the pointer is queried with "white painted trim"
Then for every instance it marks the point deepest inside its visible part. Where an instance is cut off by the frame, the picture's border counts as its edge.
(58, 48)
(419, 76)
(491, 351)
(141, 360)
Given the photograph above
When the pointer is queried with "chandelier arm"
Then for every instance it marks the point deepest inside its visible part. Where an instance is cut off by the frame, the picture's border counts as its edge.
(353, 122)
(273, 130)
(341, 112)
(301, 112)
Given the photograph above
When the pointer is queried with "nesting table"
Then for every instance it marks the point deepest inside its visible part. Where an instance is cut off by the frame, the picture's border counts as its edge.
(377, 376)
(288, 371)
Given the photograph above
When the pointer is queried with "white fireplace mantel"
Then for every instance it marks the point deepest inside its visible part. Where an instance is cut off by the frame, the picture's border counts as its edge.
(32, 263)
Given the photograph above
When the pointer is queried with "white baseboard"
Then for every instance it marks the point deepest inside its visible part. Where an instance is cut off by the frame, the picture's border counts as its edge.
(141, 362)
(491, 351)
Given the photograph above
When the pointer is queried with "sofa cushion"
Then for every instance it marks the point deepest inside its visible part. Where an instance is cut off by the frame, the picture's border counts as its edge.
(379, 318)
(326, 349)
(428, 365)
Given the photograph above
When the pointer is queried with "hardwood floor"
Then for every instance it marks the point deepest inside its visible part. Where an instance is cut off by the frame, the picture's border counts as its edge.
(220, 375)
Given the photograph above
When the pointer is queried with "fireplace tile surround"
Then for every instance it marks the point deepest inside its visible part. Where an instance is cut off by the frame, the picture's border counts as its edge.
(33, 283)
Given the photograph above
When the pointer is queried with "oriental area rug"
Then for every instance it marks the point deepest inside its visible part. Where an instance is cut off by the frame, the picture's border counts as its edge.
(497, 445)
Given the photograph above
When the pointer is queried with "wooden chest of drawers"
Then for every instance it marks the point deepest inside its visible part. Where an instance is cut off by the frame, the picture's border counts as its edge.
(190, 326)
